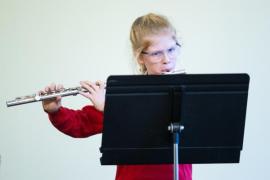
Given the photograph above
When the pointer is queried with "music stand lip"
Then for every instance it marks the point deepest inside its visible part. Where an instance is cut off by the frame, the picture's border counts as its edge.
(143, 80)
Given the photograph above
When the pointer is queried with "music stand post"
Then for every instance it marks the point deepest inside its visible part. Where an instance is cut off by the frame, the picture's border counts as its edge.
(175, 129)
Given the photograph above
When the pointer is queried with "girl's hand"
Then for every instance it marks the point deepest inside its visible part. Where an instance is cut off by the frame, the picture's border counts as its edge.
(51, 105)
(96, 93)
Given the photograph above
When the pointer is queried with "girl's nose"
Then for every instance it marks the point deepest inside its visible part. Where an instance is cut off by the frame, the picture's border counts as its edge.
(165, 58)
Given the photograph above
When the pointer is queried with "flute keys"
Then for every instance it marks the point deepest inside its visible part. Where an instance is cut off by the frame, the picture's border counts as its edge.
(37, 97)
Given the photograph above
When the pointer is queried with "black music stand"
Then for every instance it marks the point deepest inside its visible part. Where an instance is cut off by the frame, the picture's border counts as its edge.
(139, 109)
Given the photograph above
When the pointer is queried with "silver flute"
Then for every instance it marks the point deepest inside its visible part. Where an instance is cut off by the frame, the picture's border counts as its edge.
(43, 96)
(63, 92)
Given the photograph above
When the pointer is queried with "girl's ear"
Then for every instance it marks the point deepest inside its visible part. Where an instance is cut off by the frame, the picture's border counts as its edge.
(140, 61)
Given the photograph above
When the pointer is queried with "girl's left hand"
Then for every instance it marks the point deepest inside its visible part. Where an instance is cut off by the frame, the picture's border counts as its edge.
(96, 93)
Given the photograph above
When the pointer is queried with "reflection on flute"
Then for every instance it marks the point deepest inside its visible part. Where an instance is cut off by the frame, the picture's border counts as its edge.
(41, 97)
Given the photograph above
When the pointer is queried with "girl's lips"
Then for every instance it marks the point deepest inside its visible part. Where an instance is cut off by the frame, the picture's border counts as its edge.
(167, 70)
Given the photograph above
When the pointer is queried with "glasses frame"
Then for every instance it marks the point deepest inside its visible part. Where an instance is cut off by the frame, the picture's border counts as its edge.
(155, 56)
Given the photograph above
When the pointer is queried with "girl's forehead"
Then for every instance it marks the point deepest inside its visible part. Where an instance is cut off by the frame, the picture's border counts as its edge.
(160, 41)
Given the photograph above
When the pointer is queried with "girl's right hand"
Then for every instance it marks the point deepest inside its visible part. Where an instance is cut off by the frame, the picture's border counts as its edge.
(96, 93)
(54, 104)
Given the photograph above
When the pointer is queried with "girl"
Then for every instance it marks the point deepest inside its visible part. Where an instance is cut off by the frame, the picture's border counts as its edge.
(155, 48)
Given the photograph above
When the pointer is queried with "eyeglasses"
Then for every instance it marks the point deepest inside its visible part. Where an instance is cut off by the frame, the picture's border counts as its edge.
(156, 56)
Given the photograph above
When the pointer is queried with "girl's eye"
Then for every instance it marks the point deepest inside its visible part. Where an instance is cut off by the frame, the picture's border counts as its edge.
(171, 49)
(156, 53)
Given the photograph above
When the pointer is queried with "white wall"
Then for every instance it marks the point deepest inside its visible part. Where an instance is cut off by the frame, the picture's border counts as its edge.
(65, 41)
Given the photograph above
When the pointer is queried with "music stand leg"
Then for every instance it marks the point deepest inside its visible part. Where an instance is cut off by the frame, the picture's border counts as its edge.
(176, 129)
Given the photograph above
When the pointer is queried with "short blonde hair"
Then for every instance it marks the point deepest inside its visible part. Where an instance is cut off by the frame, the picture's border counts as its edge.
(149, 24)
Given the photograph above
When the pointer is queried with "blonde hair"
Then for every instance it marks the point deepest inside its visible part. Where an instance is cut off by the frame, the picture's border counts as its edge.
(149, 24)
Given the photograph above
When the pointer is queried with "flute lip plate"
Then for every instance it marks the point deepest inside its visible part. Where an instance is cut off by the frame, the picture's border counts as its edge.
(179, 71)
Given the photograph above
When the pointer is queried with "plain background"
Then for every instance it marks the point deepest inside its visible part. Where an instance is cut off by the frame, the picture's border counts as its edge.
(65, 41)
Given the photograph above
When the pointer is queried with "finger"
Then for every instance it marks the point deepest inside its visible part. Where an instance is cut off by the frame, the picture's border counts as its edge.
(92, 85)
(86, 86)
(87, 95)
(52, 87)
(46, 89)
(58, 98)
(101, 84)
(59, 87)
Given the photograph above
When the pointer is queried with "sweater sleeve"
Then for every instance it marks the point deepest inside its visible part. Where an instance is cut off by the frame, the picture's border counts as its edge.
(78, 123)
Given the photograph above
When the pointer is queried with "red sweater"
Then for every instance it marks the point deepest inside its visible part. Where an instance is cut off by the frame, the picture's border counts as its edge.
(89, 121)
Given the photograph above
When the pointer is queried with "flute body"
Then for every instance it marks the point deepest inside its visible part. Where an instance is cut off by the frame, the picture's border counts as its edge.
(64, 92)
(41, 97)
